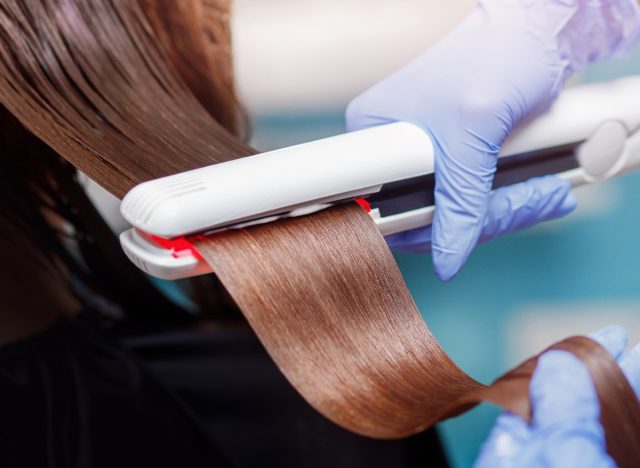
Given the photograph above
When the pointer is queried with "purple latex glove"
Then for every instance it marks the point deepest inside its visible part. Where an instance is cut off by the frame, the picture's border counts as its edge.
(565, 430)
(507, 60)
(510, 209)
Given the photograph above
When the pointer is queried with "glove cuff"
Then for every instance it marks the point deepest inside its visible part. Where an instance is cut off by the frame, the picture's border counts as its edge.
(575, 33)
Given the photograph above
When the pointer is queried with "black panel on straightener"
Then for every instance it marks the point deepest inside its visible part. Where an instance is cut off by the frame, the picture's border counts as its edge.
(418, 192)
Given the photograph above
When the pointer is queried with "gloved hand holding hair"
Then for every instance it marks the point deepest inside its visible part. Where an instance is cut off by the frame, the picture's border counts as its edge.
(565, 430)
(506, 61)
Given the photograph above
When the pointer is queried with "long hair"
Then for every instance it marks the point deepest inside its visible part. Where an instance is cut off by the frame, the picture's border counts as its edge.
(63, 83)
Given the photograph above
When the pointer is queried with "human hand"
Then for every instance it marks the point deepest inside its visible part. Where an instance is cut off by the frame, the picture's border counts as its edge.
(505, 62)
(565, 430)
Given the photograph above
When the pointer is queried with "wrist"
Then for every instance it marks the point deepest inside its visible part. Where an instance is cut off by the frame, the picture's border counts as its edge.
(574, 33)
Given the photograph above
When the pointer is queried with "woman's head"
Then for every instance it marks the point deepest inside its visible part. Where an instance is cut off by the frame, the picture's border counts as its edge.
(124, 90)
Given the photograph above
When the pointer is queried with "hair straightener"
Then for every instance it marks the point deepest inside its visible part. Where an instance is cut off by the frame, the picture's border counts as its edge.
(590, 134)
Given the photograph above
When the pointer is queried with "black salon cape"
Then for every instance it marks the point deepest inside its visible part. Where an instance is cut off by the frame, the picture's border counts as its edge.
(79, 396)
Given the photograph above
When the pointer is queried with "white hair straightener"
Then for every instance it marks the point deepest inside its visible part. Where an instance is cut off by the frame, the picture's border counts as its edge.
(591, 133)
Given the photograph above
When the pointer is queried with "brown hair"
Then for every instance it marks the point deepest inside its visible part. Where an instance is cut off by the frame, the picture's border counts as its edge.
(326, 298)
(66, 76)
(94, 82)
(113, 91)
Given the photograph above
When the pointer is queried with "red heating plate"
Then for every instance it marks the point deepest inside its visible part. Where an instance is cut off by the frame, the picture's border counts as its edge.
(366, 206)
(179, 247)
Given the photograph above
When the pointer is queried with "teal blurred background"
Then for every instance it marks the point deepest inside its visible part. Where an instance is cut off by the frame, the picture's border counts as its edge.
(522, 292)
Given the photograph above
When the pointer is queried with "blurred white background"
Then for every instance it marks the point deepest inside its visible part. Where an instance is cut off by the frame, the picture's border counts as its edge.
(292, 55)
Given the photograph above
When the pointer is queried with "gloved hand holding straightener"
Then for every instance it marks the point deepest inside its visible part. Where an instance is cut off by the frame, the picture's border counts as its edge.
(506, 61)
(565, 430)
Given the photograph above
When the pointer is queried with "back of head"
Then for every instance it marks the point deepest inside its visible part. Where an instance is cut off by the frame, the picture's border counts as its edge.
(124, 91)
